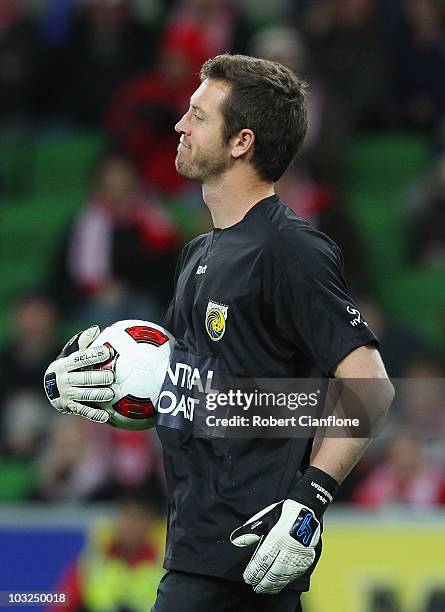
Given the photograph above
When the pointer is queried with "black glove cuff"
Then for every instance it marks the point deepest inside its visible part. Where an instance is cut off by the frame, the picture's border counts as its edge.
(315, 489)
(70, 347)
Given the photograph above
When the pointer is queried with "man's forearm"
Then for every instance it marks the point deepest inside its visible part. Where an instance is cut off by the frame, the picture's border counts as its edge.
(338, 455)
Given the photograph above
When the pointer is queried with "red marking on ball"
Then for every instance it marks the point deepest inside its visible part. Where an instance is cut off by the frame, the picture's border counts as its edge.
(135, 407)
(149, 335)
(109, 364)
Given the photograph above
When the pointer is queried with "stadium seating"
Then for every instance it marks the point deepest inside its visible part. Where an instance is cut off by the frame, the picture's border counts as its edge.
(382, 169)
(63, 163)
(33, 216)
(417, 297)
(17, 479)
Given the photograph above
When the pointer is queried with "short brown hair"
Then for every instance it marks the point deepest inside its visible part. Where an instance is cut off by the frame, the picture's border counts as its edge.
(267, 98)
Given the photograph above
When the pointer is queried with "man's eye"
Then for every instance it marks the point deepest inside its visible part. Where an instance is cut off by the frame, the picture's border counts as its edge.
(198, 116)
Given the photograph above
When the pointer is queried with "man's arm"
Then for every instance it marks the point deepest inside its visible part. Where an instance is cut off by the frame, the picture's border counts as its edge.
(338, 455)
(289, 531)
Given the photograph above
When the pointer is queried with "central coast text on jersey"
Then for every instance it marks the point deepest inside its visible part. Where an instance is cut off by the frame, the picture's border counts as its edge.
(189, 378)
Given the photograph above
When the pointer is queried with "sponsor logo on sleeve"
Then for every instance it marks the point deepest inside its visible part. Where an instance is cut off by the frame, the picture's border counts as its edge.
(358, 319)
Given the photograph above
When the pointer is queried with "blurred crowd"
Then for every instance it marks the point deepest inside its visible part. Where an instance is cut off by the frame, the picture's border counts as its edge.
(127, 69)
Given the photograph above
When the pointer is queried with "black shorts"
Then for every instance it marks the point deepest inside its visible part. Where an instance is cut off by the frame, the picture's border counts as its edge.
(183, 592)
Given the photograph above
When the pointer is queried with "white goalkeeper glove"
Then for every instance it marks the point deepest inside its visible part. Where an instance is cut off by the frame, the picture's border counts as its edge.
(68, 384)
(286, 534)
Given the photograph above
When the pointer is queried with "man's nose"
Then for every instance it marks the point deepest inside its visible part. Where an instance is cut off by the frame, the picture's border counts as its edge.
(181, 126)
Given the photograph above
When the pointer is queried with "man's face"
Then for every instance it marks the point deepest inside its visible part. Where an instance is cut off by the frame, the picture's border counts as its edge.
(202, 154)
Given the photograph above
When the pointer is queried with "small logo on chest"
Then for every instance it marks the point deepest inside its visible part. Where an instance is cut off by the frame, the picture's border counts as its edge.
(216, 315)
(201, 269)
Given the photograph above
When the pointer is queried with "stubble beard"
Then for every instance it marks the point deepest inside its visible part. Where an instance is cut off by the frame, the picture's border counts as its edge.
(204, 166)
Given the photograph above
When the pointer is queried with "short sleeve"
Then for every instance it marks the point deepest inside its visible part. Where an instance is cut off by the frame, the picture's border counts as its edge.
(168, 320)
(313, 306)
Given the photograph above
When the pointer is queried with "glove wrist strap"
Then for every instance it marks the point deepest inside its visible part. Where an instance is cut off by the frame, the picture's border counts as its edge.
(315, 489)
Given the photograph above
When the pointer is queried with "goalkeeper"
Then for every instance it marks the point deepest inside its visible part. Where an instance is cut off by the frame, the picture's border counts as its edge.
(260, 296)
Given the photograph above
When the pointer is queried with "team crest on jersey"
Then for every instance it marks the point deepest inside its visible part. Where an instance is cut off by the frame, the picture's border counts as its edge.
(216, 316)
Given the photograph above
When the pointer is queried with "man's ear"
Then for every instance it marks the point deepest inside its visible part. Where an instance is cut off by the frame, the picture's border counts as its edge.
(242, 143)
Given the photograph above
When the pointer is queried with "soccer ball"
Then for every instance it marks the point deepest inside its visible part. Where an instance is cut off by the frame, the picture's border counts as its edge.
(141, 354)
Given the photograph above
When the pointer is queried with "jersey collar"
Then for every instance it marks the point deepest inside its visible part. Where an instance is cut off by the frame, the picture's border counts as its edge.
(252, 212)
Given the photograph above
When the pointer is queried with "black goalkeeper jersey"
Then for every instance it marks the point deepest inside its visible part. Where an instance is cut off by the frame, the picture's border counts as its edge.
(264, 298)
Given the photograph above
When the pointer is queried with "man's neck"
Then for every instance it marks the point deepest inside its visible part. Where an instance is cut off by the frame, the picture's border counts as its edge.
(230, 196)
